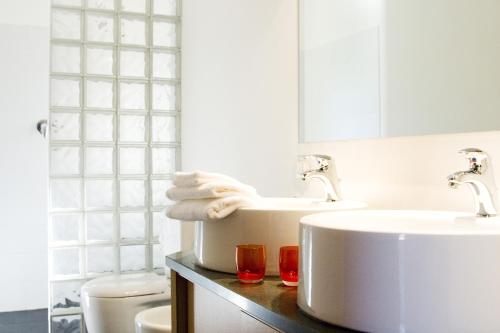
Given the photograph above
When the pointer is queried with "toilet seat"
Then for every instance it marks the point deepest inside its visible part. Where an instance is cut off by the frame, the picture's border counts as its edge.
(154, 320)
(126, 285)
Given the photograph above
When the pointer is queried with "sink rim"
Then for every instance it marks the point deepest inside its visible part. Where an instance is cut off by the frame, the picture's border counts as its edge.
(415, 222)
(283, 204)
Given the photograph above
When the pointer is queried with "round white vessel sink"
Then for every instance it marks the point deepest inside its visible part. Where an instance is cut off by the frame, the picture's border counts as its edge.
(401, 271)
(273, 222)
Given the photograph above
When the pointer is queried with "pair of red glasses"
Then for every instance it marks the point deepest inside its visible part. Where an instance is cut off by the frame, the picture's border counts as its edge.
(251, 263)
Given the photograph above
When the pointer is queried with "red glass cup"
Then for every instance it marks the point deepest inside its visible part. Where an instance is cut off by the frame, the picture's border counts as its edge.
(289, 265)
(250, 262)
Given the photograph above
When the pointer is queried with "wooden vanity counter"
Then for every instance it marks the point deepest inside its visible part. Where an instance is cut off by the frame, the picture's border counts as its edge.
(207, 301)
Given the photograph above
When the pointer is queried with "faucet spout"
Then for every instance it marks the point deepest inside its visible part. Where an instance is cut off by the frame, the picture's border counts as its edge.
(331, 194)
(480, 180)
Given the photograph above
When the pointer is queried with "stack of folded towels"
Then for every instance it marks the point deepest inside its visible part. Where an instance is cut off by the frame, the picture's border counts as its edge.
(202, 196)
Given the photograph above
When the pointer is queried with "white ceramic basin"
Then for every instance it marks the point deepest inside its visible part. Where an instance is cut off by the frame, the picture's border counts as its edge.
(401, 271)
(274, 222)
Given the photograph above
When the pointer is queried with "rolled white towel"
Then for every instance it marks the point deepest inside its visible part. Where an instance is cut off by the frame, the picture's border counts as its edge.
(196, 178)
(208, 209)
(213, 189)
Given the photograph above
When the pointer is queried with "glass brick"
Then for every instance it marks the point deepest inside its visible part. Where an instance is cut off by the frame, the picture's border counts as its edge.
(164, 34)
(132, 96)
(99, 226)
(138, 6)
(132, 193)
(66, 261)
(133, 31)
(163, 161)
(133, 258)
(65, 92)
(132, 226)
(132, 128)
(132, 161)
(100, 60)
(65, 295)
(65, 227)
(75, 3)
(101, 4)
(99, 127)
(164, 129)
(65, 24)
(164, 65)
(165, 7)
(64, 160)
(99, 94)
(158, 257)
(158, 220)
(100, 259)
(99, 193)
(133, 63)
(65, 59)
(158, 189)
(63, 324)
(170, 235)
(100, 28)
(99, 161)
(65, 193)
(64, 126)
(164, 97)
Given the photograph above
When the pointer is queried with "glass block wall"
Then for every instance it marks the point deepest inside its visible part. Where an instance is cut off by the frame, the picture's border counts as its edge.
(114, 142)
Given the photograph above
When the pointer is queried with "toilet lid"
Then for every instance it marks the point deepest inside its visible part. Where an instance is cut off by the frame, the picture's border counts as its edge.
(126, 285)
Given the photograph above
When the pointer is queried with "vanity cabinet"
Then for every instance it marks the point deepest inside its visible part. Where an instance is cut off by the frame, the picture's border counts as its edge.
(206, 301)
(210, 313)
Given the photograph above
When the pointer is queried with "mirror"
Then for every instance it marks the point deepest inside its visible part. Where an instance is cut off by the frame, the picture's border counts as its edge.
(384, 68)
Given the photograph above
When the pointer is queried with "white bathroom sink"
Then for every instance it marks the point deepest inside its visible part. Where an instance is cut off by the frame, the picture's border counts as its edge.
(273, 222)
(401, 271)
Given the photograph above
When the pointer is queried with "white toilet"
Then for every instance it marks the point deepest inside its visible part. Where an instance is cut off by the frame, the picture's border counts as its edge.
(111, 303)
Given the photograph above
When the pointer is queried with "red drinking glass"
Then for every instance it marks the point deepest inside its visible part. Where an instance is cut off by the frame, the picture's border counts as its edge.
(251, 262)
(289, 265)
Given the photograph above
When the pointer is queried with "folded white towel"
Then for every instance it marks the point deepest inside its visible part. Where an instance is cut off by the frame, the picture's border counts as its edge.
(196, 178)
(207, 209)
(214, 189)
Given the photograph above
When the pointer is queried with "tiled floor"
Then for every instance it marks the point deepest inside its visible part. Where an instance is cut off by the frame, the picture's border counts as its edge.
(32, 321)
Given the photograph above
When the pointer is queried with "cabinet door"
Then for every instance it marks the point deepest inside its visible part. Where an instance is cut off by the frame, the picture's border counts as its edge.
(249, 324)
(210, 313)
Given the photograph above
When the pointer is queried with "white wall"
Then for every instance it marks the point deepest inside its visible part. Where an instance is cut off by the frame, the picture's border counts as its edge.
(239, 90)
(240, 102)
(25, 12)
(24, 66)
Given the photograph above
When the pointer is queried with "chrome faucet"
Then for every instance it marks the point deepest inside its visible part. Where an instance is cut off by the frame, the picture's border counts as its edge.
(320, 167)
(480, 180)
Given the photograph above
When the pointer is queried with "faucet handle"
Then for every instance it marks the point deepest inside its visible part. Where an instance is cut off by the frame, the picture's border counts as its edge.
(308, 163)
(477, 159)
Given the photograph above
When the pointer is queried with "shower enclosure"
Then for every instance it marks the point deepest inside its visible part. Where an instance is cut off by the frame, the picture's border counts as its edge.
(113, 143)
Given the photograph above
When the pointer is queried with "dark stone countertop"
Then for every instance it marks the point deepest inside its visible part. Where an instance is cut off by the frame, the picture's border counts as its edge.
(269, 301)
